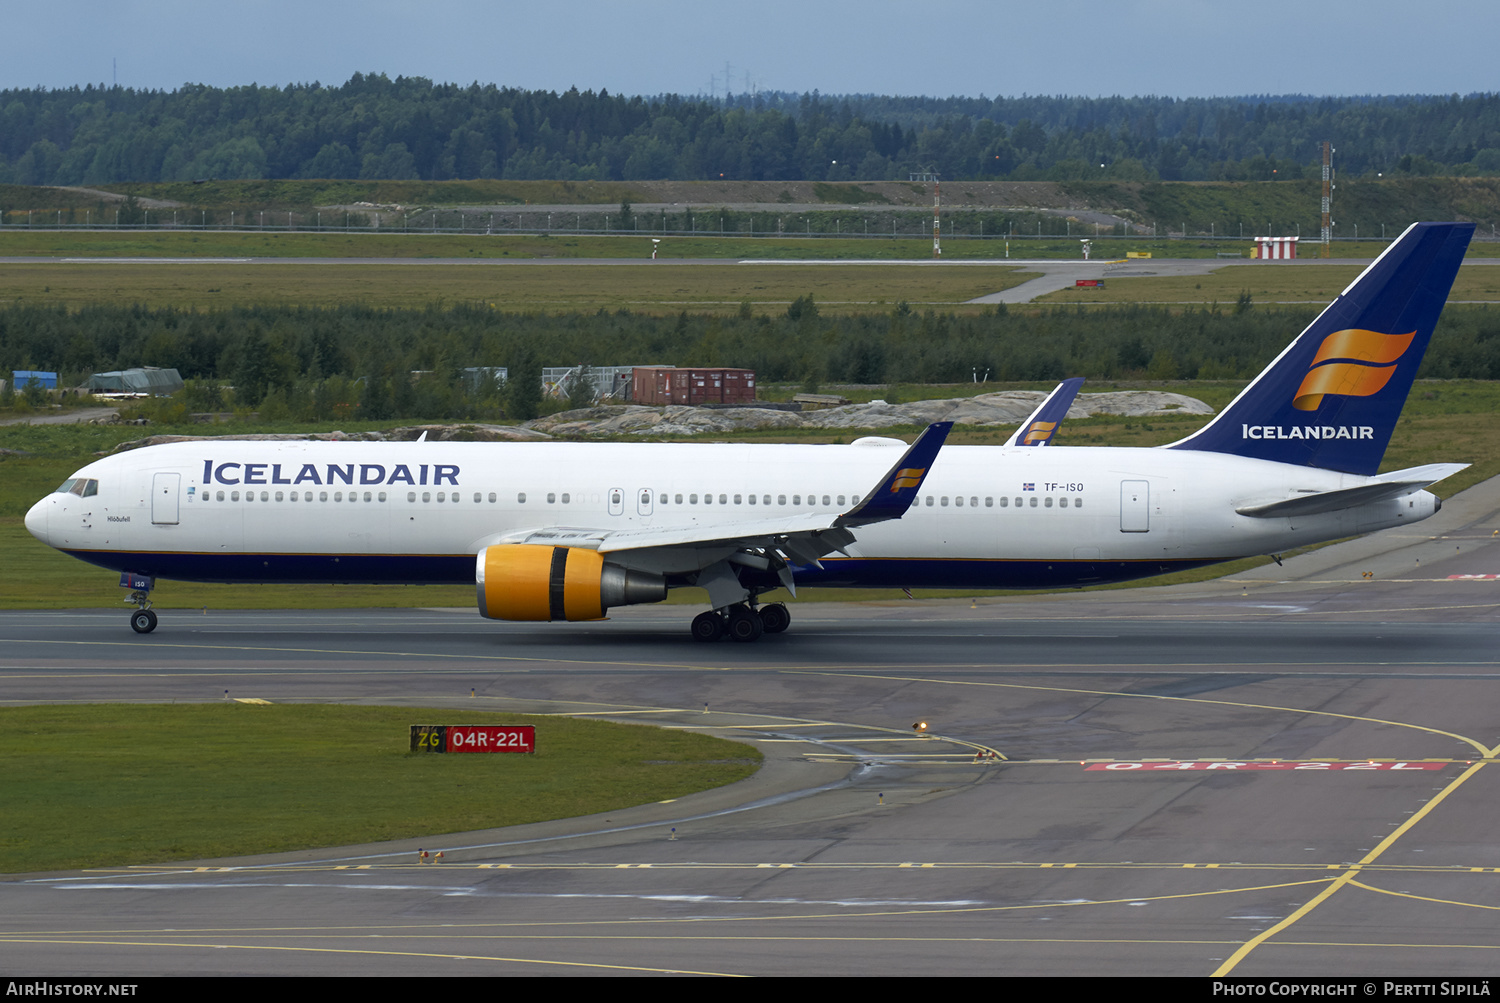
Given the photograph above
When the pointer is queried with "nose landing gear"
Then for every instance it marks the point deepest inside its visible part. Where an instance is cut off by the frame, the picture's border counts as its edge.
(143, 620)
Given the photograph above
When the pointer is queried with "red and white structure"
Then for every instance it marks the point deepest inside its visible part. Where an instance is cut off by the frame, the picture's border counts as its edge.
(1276, 248)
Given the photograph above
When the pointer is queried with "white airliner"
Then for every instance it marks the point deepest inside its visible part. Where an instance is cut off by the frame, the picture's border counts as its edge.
(564, 531)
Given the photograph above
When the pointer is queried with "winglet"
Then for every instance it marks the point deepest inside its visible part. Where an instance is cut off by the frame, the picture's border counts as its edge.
(898, 488)
(1039, 429)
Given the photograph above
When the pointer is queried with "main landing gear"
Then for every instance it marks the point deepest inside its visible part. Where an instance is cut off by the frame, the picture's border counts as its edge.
(742, 622)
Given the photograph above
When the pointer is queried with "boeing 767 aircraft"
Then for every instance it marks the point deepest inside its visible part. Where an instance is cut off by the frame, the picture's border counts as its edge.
(565, 531)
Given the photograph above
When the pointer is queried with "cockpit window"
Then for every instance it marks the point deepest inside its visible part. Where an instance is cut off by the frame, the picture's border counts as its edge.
(84, 487)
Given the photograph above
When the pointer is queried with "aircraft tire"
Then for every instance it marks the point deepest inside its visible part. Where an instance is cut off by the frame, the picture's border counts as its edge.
(708, 626)
(143, 621)
(775, 618)
(745, 624)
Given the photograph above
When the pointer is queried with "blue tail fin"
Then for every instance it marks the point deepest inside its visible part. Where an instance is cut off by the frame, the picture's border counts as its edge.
(1039, 429)
(1331, 399)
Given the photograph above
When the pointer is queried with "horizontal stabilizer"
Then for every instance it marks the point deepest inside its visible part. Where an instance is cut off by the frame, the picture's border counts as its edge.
(1392, 485)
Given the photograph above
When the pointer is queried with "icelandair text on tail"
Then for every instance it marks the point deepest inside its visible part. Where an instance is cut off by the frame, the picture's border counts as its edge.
(1307, 432)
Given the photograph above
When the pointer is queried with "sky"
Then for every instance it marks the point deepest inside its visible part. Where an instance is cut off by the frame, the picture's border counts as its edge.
(1178, 48)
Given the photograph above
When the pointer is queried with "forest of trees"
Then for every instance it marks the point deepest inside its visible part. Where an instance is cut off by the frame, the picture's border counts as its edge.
(316, 364)
(410, 128)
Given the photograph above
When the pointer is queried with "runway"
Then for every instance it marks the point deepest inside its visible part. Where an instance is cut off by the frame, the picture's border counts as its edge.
(1288, 773)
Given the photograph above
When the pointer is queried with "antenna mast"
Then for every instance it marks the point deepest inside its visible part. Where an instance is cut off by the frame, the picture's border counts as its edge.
(1327, 198)
(937, 226)
(937, 206)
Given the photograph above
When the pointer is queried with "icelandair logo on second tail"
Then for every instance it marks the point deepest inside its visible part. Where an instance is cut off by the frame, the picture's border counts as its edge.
(1040, 431)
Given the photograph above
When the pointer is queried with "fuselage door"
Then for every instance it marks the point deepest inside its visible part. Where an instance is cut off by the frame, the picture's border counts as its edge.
(643, 502)
(164, 498)
(616, 501)
(1135, 507)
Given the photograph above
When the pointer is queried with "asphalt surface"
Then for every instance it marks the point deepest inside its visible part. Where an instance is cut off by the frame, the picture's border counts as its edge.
(1292, 772)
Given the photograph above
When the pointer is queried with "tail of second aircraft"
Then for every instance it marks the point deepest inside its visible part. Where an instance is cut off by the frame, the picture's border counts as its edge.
(1331, 399)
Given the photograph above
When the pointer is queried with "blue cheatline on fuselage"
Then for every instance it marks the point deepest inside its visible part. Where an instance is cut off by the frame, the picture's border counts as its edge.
(287, 569)
(458, 569)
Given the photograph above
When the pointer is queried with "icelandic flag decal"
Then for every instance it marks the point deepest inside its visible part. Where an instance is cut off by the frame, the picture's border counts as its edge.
(1028, 486)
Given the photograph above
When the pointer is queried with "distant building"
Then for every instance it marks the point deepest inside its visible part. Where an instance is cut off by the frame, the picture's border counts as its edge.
(475, 377)
(1275, 248)
(587, 384)
(25, 377)
(148, 381)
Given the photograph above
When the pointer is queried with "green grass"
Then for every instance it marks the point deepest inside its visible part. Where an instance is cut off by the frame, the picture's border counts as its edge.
(561, 244)
(221, 196)
(111, 784)
(648, 287)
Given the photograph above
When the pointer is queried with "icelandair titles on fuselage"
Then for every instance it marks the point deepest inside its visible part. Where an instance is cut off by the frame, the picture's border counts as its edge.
(330, 473)
(1307, 432)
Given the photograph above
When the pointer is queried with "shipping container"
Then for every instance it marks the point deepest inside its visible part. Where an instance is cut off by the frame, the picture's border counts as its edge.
(670, 385)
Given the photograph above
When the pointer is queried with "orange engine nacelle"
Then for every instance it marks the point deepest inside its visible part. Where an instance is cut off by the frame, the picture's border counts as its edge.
(531, 582)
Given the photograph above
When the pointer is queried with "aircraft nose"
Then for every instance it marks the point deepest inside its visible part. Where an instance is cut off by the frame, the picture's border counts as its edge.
(36, 520)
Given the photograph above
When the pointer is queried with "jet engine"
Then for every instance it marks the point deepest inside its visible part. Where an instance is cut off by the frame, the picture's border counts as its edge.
(532, 582)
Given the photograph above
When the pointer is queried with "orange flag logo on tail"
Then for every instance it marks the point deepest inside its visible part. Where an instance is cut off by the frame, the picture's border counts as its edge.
(1038, 432)
(907, 477)
(1364, 365)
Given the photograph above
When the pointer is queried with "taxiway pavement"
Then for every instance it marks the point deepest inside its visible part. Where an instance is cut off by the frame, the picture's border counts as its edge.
(1290, 772)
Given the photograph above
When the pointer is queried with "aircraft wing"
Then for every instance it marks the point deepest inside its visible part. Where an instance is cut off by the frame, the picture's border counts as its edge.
(1039, 429)
(801, 538)
(1392, 485)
